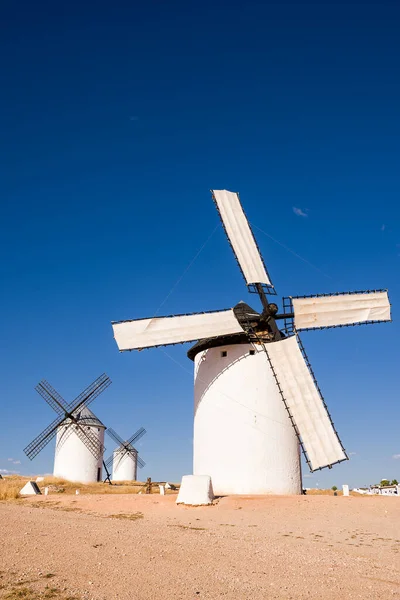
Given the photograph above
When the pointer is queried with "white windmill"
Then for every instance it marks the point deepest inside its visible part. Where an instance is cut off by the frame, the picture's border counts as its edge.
(256, 400)
(125, 459)
(74, 459)
(79, 433)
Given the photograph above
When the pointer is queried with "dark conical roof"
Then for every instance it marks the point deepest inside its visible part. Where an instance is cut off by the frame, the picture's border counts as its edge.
(86, 417)
(244, 313)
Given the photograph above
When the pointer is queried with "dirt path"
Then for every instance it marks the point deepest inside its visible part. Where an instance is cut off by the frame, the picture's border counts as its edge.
(145, 547)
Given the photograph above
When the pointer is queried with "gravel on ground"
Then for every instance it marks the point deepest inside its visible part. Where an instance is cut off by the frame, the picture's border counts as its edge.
(142, 547)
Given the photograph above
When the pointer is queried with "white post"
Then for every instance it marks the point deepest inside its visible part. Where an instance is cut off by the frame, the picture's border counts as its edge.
(162, 490)
(46, 491)
(346, 490)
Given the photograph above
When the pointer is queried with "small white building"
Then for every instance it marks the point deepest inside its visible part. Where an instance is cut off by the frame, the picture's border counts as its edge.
(389, 490)
(73, 459)
(385, 490)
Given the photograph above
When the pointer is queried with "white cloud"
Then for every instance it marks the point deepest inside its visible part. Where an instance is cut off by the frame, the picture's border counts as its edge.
(14, 462)
(299, 212)
(10, 459)
(308, 476)
(7, 472)
(383, 227)
(352, 453)
(396, 456)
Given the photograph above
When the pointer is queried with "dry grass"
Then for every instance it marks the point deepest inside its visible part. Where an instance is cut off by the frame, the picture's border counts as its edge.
(28, 593)
(14, 587)
(11, 485)
(129, 516)
(318, 492)
(121, 487)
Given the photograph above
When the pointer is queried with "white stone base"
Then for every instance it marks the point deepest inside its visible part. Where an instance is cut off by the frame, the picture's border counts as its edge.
(345, 490)
(30, 489)
(195, 490)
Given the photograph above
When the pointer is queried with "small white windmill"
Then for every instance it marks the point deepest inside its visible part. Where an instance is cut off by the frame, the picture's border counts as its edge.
(256, 397)
(79, 433)
(125, 459)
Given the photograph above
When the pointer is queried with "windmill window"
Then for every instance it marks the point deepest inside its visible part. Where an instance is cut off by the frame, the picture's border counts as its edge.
(252, 352)
(98, 429)
(88, 428)
(224, 353)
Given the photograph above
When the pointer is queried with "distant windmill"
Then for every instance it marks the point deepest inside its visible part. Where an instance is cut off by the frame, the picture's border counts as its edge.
(80, 435)
(125, 459)
(253, 380)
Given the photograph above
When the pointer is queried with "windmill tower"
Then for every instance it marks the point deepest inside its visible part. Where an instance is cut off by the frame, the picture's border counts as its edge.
(80, 434)
(256, 398)
(73, 459)
(125, 459)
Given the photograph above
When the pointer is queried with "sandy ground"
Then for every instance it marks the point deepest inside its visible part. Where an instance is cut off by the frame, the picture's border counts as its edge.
(145, 547)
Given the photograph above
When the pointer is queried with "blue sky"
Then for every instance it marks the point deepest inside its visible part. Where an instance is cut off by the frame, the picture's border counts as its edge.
(116, 120)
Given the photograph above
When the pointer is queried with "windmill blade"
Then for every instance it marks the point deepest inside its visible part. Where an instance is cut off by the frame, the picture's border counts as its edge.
(305, 404)
(52, 397)
(90, 393)
(163, 331)
(91, 442)
(109, 461)
(136, 436)
(114, 435)
(339, 310)
(241, 237)
(43, 438)
(140, 462)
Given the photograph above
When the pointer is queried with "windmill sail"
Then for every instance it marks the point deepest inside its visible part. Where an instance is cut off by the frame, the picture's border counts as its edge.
(90, 393)
(125, 450)
(52, 397)
(162, 331)
(69, 414)
(140, 462)
(305, 403)
(338, 310)
(43, 438)
(136, 436)
(241, 237)
(114, 435)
